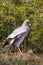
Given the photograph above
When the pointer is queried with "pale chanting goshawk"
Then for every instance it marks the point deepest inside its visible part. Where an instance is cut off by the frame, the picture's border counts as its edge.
(18, 35)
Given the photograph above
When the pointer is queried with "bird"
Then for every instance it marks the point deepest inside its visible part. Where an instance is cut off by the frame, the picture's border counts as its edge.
(18, 35)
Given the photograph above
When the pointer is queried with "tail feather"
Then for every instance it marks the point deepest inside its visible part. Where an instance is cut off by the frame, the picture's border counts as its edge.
(6, 43)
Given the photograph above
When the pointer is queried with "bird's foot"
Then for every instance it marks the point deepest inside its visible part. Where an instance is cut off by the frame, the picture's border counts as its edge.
(19, 51)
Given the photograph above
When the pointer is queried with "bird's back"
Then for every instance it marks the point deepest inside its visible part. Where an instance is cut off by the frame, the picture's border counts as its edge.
(17, 31)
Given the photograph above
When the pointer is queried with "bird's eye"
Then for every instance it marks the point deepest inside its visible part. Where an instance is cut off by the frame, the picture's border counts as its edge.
(28, 22)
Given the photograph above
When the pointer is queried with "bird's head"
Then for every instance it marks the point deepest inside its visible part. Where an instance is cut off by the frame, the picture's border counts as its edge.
(27, 23)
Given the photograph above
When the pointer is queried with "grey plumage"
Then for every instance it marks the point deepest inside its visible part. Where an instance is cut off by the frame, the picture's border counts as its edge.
(18, 35)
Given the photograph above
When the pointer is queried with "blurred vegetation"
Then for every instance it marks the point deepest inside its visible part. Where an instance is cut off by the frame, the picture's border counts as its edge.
(28, 58)
(14, 12)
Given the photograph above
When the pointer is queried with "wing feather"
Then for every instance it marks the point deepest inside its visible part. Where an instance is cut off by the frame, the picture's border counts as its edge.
(17, 32)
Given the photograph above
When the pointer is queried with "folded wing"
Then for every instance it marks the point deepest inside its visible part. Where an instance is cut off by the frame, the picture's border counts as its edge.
(17, 32)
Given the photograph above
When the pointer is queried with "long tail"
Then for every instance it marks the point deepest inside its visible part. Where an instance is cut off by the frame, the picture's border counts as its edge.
(6, 43)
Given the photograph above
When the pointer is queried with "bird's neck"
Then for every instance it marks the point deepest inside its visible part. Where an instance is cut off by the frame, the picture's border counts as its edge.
(23, 25)
(26, 27)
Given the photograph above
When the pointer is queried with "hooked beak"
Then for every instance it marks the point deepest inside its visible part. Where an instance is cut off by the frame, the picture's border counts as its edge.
(29, 24)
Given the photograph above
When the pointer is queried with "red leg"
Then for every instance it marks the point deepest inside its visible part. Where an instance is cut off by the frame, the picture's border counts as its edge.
(19, 51)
